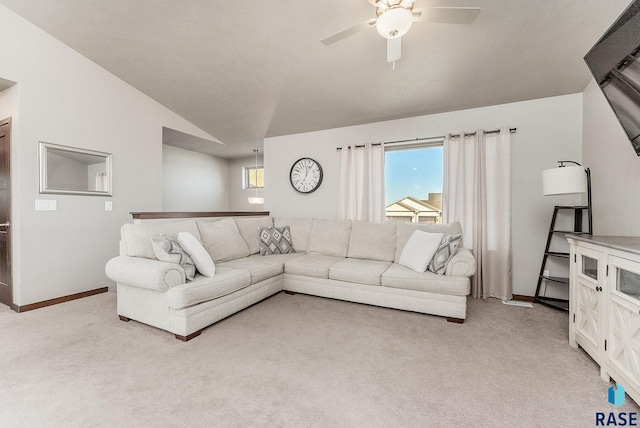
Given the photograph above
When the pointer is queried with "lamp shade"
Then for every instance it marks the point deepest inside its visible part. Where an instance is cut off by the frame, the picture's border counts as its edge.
(564, 180)
(394, 23)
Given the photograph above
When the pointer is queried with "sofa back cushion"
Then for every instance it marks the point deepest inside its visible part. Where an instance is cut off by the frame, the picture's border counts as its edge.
(373, 241)
(405, 229)
(329, 237)
(136, 238)
(222, 240)
(249, 228)
(300, 229)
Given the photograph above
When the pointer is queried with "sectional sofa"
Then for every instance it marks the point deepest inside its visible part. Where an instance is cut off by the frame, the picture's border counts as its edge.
(353, 261)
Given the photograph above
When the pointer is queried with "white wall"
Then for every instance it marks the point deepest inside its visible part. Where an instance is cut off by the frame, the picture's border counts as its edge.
(615, 168)
(239, 197)
(193, 181)
(66, 99)
(549, 129)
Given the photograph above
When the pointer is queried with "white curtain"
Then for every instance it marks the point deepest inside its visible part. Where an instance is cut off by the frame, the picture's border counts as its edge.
(477, 193)
(361, 188)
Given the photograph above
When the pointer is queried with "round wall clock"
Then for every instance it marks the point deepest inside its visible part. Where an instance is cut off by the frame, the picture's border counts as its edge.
(305, 175)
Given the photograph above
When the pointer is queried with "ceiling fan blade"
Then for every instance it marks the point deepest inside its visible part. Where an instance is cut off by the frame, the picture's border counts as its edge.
(394, 49)
(348, 32)
(447, 15)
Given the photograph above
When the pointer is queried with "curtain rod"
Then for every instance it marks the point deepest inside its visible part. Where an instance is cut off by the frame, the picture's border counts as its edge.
(440, 137)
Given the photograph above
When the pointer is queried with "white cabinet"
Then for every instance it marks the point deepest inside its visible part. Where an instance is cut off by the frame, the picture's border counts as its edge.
(604, 308)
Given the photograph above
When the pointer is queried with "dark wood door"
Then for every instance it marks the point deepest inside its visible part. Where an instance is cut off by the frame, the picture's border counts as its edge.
(6, 292)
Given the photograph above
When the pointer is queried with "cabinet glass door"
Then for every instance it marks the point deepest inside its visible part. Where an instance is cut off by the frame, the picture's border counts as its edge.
(628, 282)
(590, 267)
(588, 294)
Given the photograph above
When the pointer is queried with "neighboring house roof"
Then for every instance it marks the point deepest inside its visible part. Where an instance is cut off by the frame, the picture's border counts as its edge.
(411, 206)
(418, 205)
(399, 206)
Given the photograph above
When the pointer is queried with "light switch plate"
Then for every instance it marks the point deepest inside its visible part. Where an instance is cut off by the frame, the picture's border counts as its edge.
(46, 205)
(108, 205)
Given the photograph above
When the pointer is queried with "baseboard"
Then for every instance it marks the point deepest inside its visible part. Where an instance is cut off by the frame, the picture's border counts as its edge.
(57, 300)
(523, 298)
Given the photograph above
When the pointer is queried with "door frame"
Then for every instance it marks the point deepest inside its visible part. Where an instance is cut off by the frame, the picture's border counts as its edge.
(11, 303)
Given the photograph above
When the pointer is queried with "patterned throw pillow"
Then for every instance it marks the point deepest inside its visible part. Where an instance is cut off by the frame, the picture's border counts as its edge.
(168, 250)
(448, 247)
(275, 240)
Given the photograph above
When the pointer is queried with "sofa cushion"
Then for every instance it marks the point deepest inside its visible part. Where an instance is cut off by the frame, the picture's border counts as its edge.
(282, 258)
(275, 240)
(200, 256)
(359, 270)
(204, 288)
(330, 237)
(169, 250)
(249, 228)
(314, 265)
(300, 229)
(258, 267)
(136, 238)
(419, 251)
(405, 229)
(446, 250)
(373, 241)
(398, 276)
(222, 240)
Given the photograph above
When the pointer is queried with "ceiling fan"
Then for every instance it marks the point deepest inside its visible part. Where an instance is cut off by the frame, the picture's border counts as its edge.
(394, 18)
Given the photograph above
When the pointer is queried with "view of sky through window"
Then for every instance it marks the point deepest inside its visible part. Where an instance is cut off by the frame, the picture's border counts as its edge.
(414, 172)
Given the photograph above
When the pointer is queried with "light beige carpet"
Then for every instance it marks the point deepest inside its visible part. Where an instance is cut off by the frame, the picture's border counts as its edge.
(297, 361)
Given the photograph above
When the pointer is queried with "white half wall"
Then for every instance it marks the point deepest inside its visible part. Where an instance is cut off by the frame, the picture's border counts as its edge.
(615, 168)
(549, 129)
(193, 181)
(238, 196)
(66, 99)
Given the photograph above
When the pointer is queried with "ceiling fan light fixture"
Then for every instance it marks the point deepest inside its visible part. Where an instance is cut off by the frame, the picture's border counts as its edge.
(394, 22)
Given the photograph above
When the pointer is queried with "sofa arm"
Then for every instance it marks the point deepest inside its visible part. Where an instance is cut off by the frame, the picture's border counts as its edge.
(144, 273)
(461, 264)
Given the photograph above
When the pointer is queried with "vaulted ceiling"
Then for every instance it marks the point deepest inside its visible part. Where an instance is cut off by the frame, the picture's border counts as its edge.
(243, 71)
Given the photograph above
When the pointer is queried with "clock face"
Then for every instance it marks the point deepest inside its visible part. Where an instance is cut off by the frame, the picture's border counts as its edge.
(305, 175)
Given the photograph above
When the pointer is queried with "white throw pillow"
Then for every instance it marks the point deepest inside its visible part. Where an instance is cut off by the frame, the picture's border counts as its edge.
(198, 254)
(419, 250)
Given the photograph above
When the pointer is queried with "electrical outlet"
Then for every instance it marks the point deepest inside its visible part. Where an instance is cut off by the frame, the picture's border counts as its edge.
(108, 206)
(545, 273)
(46, 205)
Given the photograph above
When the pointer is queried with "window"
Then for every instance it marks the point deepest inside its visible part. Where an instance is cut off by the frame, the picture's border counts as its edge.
(253, 177)
(413, 183)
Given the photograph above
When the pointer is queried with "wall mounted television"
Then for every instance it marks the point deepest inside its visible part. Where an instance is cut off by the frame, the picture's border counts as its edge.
(613, 63)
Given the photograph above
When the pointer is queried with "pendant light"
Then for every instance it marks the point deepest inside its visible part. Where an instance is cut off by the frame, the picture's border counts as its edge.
(254, 200)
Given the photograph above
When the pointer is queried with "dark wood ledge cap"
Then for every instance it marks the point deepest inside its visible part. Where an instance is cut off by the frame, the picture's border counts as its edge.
(155, 215)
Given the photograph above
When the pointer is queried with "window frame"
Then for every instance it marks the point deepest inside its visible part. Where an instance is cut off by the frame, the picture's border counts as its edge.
(412, 145)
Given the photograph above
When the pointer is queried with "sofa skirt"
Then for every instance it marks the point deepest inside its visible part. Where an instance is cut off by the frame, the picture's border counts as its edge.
(396, 298)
